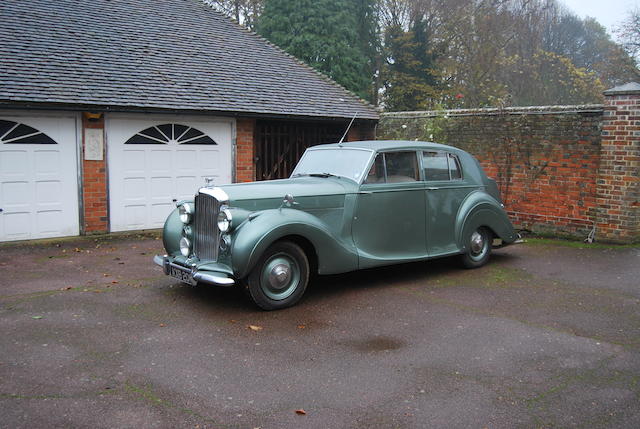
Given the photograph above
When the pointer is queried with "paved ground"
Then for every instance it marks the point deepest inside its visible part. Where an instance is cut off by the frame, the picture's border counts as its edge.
(547, 335)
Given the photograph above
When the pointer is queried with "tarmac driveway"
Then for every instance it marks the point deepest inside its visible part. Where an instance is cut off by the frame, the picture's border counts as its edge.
(92, 334)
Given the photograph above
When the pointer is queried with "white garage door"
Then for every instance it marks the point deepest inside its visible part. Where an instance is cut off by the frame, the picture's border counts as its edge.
(153, 160)
(38, 177)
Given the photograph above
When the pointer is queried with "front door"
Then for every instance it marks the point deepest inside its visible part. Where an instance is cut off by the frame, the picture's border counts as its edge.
(388, 226)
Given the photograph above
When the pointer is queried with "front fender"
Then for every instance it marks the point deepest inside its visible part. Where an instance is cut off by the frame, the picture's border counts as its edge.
(171, 233)
(335, 254)
(481, 209)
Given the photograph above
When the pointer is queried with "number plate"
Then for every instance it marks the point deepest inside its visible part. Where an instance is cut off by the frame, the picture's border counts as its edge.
(181, 274)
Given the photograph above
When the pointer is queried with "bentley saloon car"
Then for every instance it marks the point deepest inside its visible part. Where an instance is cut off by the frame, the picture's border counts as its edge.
(346, 207)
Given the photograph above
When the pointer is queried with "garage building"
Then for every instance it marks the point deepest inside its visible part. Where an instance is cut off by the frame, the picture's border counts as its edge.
(110, 110)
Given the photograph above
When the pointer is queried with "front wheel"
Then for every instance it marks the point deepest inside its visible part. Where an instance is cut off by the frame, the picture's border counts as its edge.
(280, 277)
(478, 248)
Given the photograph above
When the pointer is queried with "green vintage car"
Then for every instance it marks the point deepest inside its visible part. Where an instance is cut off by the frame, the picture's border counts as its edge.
(346, 207)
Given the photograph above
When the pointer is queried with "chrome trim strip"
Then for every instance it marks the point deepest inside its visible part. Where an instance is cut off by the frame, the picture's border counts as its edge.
(216, 193)
(213, 279)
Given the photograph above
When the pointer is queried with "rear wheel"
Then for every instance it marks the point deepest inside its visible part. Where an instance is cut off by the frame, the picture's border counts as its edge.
(280, 277)
(478, 248)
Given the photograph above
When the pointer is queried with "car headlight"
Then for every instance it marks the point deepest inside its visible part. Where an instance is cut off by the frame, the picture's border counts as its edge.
(185, 212)
(185, 246)
(225, 220)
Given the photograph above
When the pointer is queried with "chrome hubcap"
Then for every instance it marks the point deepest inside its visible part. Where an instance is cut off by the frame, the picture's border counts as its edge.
(279, 276)
(477, 243)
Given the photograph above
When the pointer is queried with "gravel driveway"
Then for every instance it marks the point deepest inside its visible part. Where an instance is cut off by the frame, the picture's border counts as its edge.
(546, 335)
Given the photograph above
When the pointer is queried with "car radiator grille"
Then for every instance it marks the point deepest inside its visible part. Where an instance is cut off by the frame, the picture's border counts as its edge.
(206, 243)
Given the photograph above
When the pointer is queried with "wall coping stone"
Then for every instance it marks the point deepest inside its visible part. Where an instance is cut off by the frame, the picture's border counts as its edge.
(631, 88)
(528, 110)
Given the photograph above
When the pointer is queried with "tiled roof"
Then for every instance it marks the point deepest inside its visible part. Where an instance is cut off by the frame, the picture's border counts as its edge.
(155, 54)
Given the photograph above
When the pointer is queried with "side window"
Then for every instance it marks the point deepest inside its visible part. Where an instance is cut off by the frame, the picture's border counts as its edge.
(394, 167)
(454, 167)
(436, 166)
(441, 166)
(376, 173)
(401, 167)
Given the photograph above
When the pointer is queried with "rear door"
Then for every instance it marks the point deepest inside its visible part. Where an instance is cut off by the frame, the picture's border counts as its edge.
(445, 189)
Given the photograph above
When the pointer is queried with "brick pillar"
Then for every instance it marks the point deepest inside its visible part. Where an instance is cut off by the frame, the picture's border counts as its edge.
(94, 174)
(245, 150)
(618, 192)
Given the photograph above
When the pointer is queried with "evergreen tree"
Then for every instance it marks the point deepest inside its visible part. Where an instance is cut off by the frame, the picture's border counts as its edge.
(323, 34)
(411, 81)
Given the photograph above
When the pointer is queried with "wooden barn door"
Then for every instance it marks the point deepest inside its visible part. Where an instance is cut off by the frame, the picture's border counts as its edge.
(281, 144)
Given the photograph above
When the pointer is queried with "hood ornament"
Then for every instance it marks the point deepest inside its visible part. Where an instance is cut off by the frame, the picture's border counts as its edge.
(208, 182)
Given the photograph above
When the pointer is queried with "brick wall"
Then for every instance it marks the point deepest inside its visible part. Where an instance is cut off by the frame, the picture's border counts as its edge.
(94, 183)
(547, 162)
(245, 155)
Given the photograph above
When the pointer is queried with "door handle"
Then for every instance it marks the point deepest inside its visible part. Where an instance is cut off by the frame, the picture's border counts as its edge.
(365, 193)
(432, 189)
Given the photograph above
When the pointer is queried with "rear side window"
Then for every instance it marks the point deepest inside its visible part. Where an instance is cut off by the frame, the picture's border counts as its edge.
(440, 166)
(394, 167)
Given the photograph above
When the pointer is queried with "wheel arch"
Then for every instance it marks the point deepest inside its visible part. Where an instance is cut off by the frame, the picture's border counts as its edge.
(480, 209)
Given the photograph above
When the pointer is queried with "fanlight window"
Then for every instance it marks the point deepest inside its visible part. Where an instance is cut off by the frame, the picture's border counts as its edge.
(16, 133)
(167, 133)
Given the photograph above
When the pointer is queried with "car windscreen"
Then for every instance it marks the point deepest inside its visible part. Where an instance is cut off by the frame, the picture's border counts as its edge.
(349, 163)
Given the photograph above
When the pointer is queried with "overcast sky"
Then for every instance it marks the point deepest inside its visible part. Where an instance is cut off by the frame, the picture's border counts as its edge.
(608, 12)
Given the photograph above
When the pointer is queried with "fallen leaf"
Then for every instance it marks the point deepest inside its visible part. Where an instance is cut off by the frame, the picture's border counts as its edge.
(36, 317)
(114, 281)
(301, 412)
(162, 325)
(67, 288)
(301, 326)
(255, 327)
(105, 275)
(77, 250)
(232, 321)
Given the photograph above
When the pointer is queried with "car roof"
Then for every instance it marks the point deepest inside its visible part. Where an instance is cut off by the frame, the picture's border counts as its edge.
(384, 145)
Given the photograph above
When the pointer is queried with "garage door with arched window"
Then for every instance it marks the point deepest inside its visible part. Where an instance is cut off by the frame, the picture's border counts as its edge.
(38, 177)
(153, 161)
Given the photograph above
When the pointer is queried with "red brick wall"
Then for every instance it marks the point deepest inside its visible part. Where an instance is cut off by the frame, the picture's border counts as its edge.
(94, 186)
(245, 156)
(618, 193)
(545, 160)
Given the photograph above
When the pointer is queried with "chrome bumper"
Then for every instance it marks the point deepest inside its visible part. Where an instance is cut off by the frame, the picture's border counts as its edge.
(206, 277)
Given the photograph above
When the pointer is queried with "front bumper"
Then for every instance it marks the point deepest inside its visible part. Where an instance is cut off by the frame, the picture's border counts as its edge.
(193, 274)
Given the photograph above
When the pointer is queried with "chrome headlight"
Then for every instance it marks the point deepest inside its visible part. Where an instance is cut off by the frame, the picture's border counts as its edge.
(185, 212)
(185, 246)
(225, 220)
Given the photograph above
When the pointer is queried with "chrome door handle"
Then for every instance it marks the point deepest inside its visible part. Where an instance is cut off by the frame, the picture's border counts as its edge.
(432, 189)
(365, 193)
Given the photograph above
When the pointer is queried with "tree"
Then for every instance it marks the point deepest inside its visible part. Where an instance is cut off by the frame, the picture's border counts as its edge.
(323, 34)
(629, 33)
(245, 12)
(410, 78)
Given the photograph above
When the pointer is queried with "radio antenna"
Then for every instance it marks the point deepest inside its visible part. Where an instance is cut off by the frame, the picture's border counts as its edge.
(347, 130)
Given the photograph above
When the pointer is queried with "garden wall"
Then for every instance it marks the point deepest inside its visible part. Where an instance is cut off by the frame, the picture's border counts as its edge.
(561, 170)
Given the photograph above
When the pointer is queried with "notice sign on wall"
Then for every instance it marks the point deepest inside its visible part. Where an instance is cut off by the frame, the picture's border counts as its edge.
(93, 144)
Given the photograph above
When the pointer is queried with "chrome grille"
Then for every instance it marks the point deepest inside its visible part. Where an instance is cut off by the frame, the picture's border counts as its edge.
(206, 243)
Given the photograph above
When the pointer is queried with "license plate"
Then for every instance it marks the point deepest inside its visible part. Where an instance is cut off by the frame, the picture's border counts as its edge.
(181, 274)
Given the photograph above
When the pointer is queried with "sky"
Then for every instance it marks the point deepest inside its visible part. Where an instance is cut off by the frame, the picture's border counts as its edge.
(608, 12)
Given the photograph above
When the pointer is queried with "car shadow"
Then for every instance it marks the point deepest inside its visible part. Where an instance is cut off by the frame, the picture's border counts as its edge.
(232, 299)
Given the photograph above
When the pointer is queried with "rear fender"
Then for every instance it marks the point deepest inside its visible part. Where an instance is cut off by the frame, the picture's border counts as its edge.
(335, 254)
(481, 209)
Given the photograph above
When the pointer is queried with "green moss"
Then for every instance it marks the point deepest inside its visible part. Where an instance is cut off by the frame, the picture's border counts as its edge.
(576, 244)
